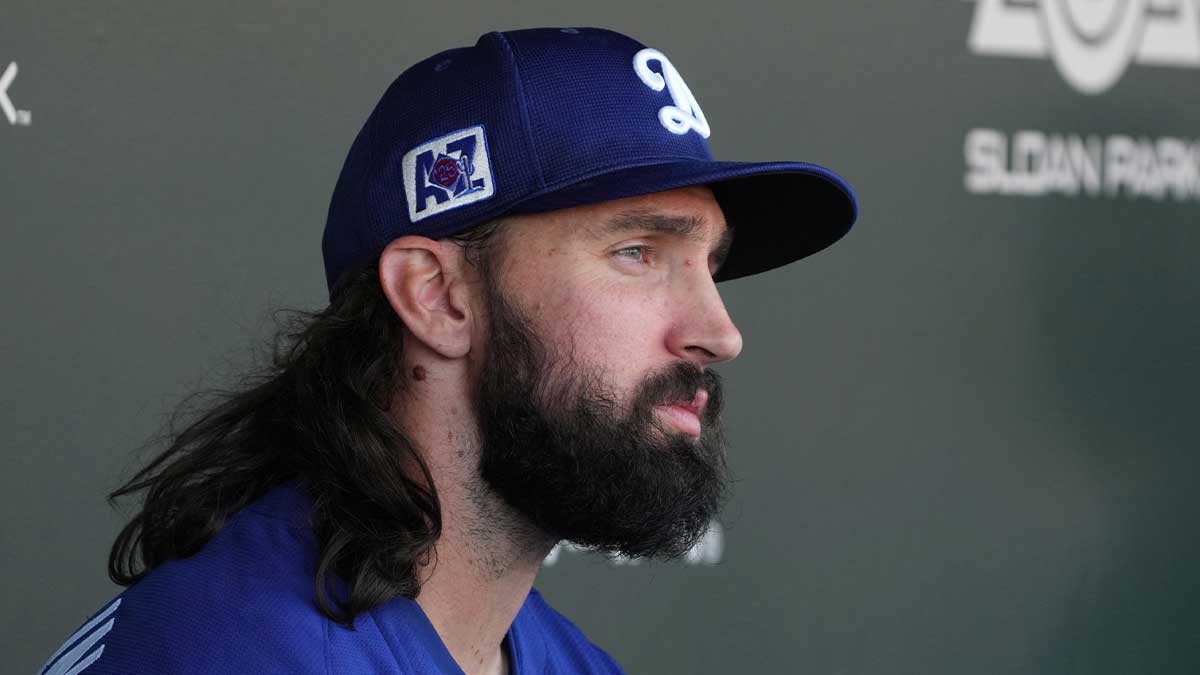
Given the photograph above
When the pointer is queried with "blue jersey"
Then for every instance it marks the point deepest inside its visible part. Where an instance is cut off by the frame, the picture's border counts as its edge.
(246, 603)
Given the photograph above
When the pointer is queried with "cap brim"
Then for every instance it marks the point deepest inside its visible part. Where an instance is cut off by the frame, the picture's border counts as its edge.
(780, 211)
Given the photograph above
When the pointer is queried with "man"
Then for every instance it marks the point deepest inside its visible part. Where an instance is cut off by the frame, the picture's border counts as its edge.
(522, 251)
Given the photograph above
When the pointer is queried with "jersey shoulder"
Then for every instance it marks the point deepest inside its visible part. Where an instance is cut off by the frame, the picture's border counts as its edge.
(566, 648)
(244, 603)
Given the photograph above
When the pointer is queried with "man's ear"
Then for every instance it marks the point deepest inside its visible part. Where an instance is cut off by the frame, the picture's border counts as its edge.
(423, 283)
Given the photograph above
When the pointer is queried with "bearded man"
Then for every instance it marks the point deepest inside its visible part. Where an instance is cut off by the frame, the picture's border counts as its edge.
(522, 253)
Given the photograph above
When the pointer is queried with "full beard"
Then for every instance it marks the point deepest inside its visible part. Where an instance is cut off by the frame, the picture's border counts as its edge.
(561, 450)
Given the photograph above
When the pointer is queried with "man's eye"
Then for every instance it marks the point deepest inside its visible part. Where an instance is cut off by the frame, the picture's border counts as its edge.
(634, 253)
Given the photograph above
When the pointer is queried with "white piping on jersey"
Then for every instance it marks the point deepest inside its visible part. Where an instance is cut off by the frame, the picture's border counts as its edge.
(71, 663)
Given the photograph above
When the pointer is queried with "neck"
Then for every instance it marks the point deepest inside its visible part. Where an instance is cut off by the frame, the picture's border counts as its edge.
(477, 582)
(486, 559)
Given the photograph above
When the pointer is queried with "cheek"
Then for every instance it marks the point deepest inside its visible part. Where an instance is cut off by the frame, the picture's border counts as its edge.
(621, 332)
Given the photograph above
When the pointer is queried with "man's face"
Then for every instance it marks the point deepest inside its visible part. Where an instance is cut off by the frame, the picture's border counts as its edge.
(599, 416)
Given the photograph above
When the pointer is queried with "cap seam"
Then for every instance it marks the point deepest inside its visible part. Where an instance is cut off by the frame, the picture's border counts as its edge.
(659, 159)
(526, 127)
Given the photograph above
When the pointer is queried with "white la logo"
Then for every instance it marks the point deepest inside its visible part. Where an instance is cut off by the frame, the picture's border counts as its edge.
(1092, 42)
(686, 114)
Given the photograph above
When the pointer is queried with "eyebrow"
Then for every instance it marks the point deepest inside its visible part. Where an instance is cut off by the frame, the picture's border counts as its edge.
(644, 220)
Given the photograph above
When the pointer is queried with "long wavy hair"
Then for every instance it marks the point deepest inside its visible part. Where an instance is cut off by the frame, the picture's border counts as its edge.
(316, 411)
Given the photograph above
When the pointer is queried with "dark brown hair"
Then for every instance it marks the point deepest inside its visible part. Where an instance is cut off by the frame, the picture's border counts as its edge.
(317, 411)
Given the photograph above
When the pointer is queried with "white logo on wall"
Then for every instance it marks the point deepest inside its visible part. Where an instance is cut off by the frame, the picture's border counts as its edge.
(1092, 42)
(707, 551)
(1032, 163)
(15, 117)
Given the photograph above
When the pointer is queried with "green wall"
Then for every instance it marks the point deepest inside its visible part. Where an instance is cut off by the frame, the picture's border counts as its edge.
(965, 437)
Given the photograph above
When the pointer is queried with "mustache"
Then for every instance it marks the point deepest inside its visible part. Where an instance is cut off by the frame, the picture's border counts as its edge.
(677, 384)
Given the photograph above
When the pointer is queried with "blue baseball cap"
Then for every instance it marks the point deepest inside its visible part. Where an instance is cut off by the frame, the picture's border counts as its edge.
(548, 118)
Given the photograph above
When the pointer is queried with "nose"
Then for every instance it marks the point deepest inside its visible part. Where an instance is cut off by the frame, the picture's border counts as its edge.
(702, 332)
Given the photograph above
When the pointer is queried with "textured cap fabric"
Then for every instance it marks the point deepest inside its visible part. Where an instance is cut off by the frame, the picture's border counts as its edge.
(547, 118)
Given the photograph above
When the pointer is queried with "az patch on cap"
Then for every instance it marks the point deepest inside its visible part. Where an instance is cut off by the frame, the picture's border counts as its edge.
(448, 172)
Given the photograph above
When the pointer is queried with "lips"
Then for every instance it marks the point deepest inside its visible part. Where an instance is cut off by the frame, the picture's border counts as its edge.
(687, 414)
